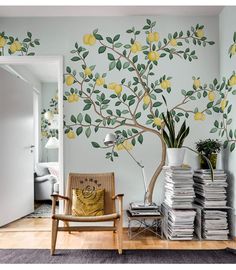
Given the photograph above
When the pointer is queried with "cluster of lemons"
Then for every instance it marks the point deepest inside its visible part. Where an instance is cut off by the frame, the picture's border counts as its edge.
(157, 121)
(136, 47)
(117, 88)
(89, 39)
(165, 84)
(123, 146)
(73, 98)
(199, 116)
(16, 46)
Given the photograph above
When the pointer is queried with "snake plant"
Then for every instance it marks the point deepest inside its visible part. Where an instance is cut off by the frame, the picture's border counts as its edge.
(171, 140)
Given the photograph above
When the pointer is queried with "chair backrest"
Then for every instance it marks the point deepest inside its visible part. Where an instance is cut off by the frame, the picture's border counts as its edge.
(98, 180)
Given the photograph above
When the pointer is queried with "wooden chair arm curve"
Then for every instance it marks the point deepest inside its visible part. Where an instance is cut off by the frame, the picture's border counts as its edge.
(59, 197)
(117, 196)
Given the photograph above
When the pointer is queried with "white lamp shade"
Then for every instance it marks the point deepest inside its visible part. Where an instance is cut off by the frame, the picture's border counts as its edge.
(110, 139)
(52, 143)
(48, 115)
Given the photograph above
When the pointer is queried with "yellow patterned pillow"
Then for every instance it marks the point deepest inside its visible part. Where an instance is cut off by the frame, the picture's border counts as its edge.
(88, 202)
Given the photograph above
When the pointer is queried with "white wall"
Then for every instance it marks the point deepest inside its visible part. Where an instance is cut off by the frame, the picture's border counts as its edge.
(227, 66)
(57, 37)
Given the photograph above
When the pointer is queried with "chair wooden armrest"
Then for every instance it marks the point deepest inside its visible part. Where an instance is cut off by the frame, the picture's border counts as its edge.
(59, 197)
(55, 198)
(117, 196)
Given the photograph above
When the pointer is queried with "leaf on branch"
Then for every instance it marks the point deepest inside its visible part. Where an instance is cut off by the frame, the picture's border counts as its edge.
(88, 132)
(140, 138)
(79, 130)
(73, 119)
(101, 49)
(87, 119)
(95, 145)
(110, 56)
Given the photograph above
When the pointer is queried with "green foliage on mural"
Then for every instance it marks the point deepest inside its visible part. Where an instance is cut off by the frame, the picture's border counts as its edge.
(232, 48)
(14, 46)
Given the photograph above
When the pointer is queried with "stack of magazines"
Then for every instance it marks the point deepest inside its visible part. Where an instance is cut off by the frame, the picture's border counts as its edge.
(179, 191)
(181, 224)
(210, 193)
(215, 225)
(139, 209)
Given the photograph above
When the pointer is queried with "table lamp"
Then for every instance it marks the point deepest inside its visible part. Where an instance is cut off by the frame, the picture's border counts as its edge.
(112, 139)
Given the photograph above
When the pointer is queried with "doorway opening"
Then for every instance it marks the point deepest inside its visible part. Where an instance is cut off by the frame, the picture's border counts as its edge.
(34, 86)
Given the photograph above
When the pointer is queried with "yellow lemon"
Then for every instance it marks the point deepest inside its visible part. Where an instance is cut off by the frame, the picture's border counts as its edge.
(136, 47)
(44, 133)
(151, 37)
(199, 33)
(199, 116)
(2, 42)
(165, 84)
(13, 48)
(70, 80)
(70, 134)
(89, 39)
(157, 121)
(123, 146)
(153, 56)
(70, 98)
(112, 86)
(87, 71)
(197, 83)
(146, 99)
(118, 89)
(75, 97)
(173, 42)
(233, 49)
(223, 104)
(211, 96)
(18, 45)
(100, 81)
(232, 80)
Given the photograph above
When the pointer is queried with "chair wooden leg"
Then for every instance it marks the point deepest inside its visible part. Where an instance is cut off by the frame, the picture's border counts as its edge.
(54, 235)
(115, 225)
(66, 224)
(120, 235)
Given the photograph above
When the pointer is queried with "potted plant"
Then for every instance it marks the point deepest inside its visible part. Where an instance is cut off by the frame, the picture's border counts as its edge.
(209, 148)
(175, 152)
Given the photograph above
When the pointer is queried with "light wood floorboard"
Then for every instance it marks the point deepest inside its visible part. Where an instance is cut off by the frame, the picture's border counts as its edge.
(35, 233)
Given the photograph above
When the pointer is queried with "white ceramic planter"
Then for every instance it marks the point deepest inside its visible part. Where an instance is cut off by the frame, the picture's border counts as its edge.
(175, 156)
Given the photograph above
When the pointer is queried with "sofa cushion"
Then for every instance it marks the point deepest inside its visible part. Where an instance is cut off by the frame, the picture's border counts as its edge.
(40, 170)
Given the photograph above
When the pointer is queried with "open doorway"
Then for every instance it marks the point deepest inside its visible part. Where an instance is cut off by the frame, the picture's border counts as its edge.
(34, 89)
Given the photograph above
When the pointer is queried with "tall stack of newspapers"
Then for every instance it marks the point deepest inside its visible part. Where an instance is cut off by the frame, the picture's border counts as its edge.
(215, 225)
(210, 193)
(179, 191)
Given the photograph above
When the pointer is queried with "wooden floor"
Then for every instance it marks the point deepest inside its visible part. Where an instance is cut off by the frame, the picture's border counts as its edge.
(35, 233)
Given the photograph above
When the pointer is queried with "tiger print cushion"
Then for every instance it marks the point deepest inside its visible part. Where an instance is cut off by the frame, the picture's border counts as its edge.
(88, 201)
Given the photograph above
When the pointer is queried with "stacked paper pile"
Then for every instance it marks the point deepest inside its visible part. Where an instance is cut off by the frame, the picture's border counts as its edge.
(215, 225)
(181, 224)
(210, 193)
(179, 191)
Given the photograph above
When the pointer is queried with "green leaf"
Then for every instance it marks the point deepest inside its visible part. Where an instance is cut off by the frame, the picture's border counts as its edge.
(137, 115)
(29, 34)
(79, 130)
(110, 57)
(118, 65)
(98, 37)
(73, 119)
(87, 119)
(87, 107)
(116, 38)
(95, 145)
(112, 65)
(109, 39)
(88, 132)
(140, 138)
(213, 130)
(80, 118)
(101, 49)
(232, 146)
(135, 58)
(75, 58)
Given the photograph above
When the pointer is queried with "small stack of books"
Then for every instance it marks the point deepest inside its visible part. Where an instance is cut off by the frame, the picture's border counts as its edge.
(210, 193)
(139, 209)
(179, 191)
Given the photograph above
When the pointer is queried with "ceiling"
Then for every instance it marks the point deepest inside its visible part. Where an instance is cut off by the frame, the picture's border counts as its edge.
(79, 11)
(45, 73)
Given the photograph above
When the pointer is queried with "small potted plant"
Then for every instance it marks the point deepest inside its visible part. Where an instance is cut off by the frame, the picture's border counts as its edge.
(209, 148)
(175, 152)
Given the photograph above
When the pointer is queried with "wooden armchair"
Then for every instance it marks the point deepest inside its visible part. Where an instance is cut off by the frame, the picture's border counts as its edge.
(102, 181)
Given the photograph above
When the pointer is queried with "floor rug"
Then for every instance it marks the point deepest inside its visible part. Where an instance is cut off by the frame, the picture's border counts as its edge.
(42, 211)
(68, 256)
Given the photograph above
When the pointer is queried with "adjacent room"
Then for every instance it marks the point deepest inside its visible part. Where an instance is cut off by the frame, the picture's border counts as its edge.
(118, 134)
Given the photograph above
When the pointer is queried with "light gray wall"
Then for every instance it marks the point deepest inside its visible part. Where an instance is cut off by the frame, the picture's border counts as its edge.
(227, 66)
(57, 37)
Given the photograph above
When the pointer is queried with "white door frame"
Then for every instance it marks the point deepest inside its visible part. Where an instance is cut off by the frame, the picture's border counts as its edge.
(58, 60)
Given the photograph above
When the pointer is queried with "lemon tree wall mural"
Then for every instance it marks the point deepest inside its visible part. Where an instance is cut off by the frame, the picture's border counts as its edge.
(14, 46)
